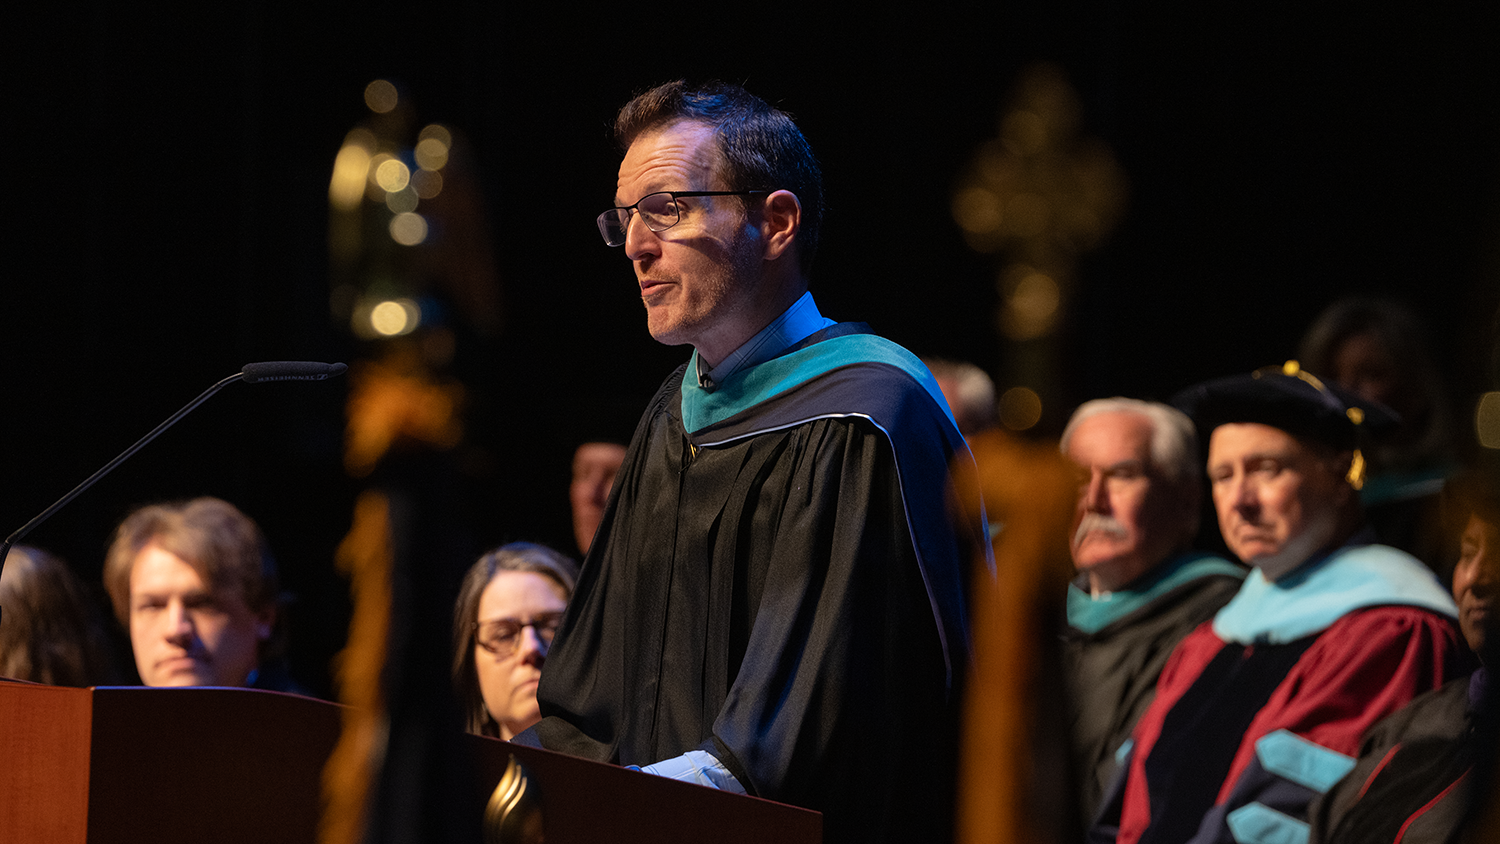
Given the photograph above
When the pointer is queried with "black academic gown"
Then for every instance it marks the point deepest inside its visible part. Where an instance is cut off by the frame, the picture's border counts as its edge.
(1113, 658)
(777, 581)
(1414, 780)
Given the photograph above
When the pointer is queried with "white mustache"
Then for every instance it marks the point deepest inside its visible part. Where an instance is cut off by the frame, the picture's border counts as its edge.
(1098, 522)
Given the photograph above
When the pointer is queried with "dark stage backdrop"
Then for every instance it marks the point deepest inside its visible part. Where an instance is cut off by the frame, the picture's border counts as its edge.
(166, 219)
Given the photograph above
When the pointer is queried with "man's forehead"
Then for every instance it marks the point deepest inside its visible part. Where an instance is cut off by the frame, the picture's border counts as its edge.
(1240, 441)
(1114, 432)
(598, 454)
(159, 571)
(678, 156)
(1478, 527)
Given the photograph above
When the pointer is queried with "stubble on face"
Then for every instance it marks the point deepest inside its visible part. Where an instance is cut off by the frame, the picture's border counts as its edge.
(696, 278)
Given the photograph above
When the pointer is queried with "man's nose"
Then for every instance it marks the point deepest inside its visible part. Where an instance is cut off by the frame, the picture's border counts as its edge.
(1096, 494)
(1245, 495)
(1486, 577)
(179, 622)
(640, 240)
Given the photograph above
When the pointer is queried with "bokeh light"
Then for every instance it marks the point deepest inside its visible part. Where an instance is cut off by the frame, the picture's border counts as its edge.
(1487, 420)
(347, 187)
(381, 96)
(432, 150)
(1032, 306)
(395, 317)
(392, 175)
(977, 210)
(1020, 408)
(437, 132)
(1027, 215)
(427, 183)
(1024, 132)
(408, 229)
(402, 201)
(350, 169)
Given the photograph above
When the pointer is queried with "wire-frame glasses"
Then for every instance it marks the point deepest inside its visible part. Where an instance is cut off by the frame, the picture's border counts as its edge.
(659, 211)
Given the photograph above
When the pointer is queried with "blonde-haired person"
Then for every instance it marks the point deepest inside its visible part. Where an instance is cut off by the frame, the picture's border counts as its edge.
(508, 609)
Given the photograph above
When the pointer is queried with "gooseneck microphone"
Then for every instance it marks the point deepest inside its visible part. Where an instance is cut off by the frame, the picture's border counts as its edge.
(283, 370)
(251, 373)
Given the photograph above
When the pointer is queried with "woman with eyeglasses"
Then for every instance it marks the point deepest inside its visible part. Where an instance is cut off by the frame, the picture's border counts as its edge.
(508, 609)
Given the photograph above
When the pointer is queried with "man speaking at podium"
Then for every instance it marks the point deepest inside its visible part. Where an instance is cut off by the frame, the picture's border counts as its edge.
(774, 601)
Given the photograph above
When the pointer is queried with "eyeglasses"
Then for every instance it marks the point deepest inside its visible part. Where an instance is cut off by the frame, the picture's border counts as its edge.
(659, 211)
(502, 636)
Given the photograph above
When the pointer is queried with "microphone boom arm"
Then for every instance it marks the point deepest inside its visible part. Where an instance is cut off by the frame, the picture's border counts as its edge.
(110, 467)
(253, 372)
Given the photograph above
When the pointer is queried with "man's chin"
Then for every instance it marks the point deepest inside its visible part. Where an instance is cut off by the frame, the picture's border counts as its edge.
(181, 679)
(1275, 564)
(1252, 551)
(175, 676)
(1091, 554)
(1276, 560)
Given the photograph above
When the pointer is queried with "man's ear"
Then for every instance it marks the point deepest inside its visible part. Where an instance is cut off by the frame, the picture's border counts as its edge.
(780, 220)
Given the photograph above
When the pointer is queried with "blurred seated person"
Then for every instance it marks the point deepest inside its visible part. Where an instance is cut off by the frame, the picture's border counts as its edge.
(1414, 780)
(52, 631)
(508, 609)
(970, 393)
(1262, 709)
(1380, 351)
(1140, 589)
(195, 584)
(595, 465)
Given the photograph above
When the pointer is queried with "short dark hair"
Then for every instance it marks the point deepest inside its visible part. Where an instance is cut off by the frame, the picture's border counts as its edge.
(761, 148)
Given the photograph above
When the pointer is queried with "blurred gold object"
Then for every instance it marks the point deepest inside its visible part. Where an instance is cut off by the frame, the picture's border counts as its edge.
(1013, 775)
(514, 813)
(365, 557)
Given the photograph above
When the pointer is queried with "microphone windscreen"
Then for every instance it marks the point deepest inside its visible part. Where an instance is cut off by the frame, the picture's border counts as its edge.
(290, 370)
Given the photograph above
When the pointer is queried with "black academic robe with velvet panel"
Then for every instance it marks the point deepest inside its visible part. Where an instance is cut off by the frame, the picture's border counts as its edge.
(778, 580)
(1115, 647)
(1262, 709)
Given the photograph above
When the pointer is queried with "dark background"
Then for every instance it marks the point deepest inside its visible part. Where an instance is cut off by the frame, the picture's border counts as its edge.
(166, 219)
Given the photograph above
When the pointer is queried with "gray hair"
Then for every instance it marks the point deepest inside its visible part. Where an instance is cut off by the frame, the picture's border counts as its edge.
(974, 405)
(1174, 439)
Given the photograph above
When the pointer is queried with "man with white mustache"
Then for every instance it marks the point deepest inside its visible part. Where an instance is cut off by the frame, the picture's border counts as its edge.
(1262, 709)
(1140, 589)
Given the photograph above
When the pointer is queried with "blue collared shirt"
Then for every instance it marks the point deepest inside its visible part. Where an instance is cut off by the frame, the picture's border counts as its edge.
(796, 324)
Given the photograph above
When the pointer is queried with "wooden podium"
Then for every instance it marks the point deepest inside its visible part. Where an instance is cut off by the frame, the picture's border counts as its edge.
(127, 764)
